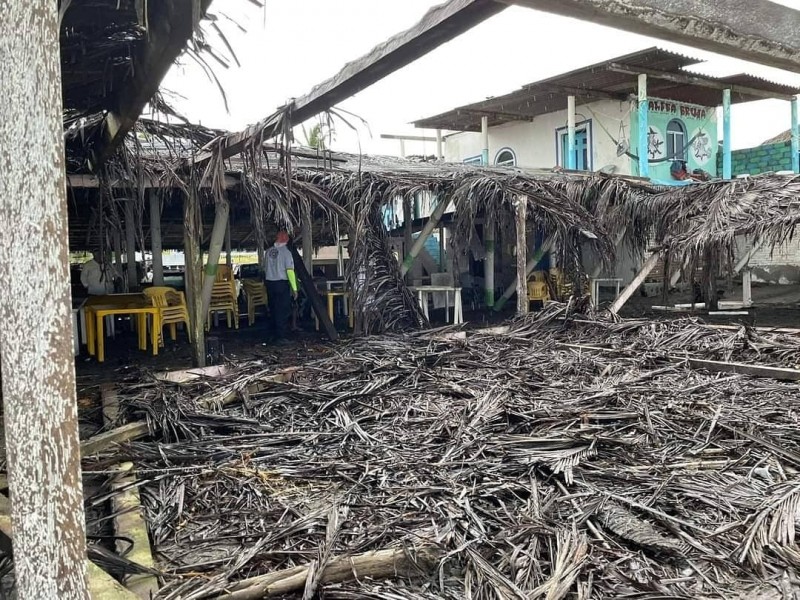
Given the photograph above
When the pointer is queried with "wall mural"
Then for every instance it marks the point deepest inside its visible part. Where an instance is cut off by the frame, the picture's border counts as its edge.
(700, 124)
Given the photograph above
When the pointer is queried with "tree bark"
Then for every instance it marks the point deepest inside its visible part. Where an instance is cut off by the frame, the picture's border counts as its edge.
(193, 260)
(155, 239)
(41, 423)
(214, 251)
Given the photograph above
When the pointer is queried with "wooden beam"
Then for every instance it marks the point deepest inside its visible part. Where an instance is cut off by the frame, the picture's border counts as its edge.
(93, 182)
(193, 261)
(439, 25)
(156, 247)
(408, 138)
(625, 295)
(310, 289)
(754, 30)
(38, 385)
(170, 27)
(698, 80)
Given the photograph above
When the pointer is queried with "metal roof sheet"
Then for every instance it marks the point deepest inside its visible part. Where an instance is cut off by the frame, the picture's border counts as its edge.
(606, 80)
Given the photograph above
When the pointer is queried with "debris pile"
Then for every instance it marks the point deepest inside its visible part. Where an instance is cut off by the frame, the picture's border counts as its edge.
(556, 459)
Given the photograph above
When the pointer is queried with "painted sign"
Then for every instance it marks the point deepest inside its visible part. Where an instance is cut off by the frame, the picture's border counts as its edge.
(677, 131)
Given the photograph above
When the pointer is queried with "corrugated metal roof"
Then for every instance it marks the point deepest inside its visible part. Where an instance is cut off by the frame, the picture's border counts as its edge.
(615, 79)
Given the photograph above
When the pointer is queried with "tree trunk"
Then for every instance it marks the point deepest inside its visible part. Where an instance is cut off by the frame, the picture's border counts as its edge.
(41, 421)
(193, 260)
(155, 239)
(214, 251)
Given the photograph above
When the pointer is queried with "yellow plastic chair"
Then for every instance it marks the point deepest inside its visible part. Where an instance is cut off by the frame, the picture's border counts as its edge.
(538, 291)
(224, 273)
(172, 310)
(256, 294)
(223, 299)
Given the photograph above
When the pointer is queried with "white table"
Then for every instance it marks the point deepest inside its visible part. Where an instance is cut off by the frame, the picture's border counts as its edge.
(423, 292)
(600, 282)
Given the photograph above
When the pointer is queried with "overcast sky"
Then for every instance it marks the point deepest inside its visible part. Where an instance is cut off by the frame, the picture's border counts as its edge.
(291, 45)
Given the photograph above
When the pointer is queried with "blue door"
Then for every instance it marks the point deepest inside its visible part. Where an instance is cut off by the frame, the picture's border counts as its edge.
(581, 150)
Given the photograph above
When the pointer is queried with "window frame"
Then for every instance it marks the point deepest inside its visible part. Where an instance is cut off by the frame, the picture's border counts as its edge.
(586, 126)
(670, 135)
(505, 163)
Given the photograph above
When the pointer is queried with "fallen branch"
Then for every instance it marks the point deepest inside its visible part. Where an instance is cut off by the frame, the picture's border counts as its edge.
(375, 565)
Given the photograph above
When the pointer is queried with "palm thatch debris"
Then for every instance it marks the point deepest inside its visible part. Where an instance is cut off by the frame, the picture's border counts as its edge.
(527, 469)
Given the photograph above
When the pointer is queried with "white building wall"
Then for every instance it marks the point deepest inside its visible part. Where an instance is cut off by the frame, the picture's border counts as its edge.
(535, 142)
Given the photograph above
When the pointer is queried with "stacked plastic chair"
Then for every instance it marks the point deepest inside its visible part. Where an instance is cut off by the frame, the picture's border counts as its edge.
(223, 299)
(256, 294)
(172, 310)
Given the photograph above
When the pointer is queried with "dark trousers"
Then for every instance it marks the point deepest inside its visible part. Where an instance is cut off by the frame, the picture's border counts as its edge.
(280, 306)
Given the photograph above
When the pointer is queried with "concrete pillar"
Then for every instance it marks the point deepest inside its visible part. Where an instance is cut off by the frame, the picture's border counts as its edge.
(795, 138)
(485, 141)
(439, 145)
(644, 126)
(727, 163)
(571, 159)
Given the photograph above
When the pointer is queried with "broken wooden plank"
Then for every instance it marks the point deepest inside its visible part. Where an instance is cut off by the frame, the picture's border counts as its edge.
(233, 393)
(129, 524)
(717, 366)
(187, 375)
(103, 441)
(379, 564)
(625, 295)
(439, 25)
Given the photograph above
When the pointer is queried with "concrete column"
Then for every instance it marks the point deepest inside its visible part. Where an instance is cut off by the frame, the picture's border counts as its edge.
(644, 126)
(485, 141)
(155, 239)
(130, 245)
(727, 163)
(571, 159)
(795, 138)
(439, 145)
(403, 148)
(747, 289)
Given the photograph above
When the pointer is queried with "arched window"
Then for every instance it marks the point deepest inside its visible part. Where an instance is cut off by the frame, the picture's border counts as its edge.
(676, 140)
(505, 158)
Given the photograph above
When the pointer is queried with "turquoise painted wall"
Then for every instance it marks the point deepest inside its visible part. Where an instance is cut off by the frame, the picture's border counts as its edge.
(761, 159)
(699, 121)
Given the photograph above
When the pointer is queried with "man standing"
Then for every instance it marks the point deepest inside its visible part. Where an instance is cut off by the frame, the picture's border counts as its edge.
(281, 284)
(97, 278)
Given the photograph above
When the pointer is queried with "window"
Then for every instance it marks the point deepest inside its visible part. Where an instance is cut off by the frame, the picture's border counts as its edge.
(505, 158)
(473, 160)
(583, 146)
(676, 140)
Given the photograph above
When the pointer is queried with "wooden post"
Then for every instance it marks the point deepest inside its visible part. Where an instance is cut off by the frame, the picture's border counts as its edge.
(625, 295)
(571, 161)
(38, 384)
(488, 264)
(727, 162)
(155, 238)
(308, 241)
(214, 251)
(317, 305)
(408, 230)
(419, 243)
(228, 247)
(546, 246)
(193, 259)
(522, 254)
(644, 128)
(747, 289)
(117, 236)
(130, 246)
